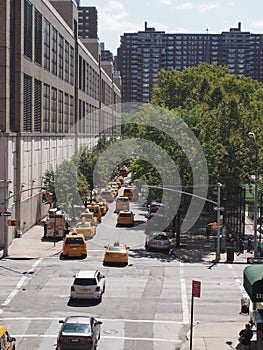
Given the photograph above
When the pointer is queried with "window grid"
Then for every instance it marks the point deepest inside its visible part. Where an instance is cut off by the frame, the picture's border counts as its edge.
(37, 105)
(27, 118)
(47, 45)
(38, 37)
(28, 29)
(46, 107)
(54, 110)
(54, 50)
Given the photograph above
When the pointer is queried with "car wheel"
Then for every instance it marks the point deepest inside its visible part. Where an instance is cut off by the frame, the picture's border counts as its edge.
(84, 256)
(103, 290)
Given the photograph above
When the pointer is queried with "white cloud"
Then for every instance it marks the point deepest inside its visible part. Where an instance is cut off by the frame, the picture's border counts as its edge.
(185, 6)
(257, 24)
(231, 4)
(166, 2)
(208, 7)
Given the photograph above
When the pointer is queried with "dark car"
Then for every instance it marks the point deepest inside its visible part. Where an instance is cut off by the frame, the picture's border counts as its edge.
(79, 333)
(159, 241)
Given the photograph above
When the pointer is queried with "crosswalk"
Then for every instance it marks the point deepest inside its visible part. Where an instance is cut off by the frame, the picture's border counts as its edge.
(116, 334)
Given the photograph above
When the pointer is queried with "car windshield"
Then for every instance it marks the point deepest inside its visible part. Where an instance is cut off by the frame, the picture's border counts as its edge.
(160, 237)
(116, 248)
(76, 328)
(83, 225)
(122, 199)
(85, 281)
(74, 241)
(125, 214)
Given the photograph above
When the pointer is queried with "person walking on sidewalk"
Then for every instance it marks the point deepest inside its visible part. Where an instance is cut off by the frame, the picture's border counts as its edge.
(246, 334)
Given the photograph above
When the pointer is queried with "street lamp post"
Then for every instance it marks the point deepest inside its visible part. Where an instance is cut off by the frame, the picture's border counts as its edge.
(253, 136)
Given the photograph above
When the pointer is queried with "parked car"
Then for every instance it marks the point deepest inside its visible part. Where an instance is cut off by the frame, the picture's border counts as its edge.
(125, 218)
(6, 341)
(88, 284)
(74, 245)
(79, 333)
(159, 241)
(116, 253)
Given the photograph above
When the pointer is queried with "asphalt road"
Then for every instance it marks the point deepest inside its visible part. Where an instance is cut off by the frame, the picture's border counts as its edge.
(146, 305)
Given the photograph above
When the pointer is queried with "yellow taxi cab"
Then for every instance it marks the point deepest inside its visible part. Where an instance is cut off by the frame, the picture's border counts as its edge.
(116, 253)
(74, 245)
(107, 195)
(125, 218)
(114, 192)
(114, 184)
(88, 216)
(6, 341)
(103, 205)
(122, 203)
(95, 209)
(86, 229)
(120, 179)
(131, 192)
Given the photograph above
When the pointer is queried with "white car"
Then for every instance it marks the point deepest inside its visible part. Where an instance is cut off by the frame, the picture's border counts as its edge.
(88, 284)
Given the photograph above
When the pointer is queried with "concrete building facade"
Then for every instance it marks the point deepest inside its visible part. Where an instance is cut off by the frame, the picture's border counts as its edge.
(55, 97)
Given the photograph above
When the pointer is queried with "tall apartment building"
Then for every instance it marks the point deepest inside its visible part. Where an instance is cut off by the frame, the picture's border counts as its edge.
(56, 96)
(87, 22)
(141, 55)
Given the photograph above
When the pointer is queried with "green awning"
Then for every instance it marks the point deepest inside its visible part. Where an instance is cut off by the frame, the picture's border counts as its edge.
(253, 282)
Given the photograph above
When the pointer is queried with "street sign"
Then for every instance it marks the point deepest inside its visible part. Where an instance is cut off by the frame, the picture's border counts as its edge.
(5, 213)
(2, 203)
(196, 286)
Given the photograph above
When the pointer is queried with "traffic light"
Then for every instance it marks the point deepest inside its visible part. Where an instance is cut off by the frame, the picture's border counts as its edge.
(44, 196)
(11, 222)
(50, 197)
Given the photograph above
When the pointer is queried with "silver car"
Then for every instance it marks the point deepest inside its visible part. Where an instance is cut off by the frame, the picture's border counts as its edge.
(79, 333)
(159, 241)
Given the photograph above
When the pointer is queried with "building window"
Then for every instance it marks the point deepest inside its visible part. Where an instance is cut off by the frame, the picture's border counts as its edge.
(12, 82)
(37, 105)
(60, 111)
(60, 56)
(66, 61)
(46, 107)
(71, 72)
(54, 110)
(47, 45)
(54, 50)
(38, 37)
(71, 113)
(27, 119)
(28, 29)
(66, 112)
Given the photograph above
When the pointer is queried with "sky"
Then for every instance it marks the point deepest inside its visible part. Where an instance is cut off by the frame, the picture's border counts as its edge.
(116, 17)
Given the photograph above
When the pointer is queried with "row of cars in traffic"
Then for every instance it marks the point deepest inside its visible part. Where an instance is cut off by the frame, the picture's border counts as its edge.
(83, 332)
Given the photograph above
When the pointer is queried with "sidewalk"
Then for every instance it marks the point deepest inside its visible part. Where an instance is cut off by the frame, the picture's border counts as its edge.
(30, 246)
(217, 336)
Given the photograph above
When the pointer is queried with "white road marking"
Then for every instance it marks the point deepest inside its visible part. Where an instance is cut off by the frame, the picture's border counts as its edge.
(184, 297)
(101, 319)
(101, 337)
(20, 284)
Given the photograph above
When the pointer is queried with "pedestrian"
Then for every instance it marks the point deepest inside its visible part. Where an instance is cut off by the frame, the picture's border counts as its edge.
(241, 245)
(245, 335)
(249, 245)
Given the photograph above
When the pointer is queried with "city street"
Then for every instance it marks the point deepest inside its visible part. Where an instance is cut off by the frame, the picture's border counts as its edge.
(146, 304)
